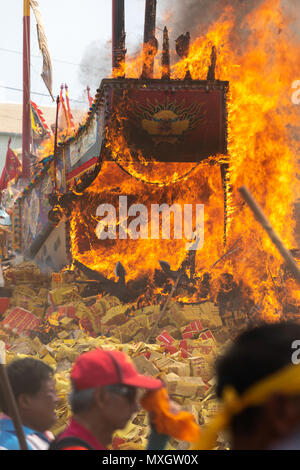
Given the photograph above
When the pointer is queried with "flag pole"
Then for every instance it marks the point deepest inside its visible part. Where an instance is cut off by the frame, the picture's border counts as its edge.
(55, 142)
(26, 118)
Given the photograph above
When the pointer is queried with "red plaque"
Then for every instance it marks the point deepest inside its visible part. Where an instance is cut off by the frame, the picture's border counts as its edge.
(186, 125)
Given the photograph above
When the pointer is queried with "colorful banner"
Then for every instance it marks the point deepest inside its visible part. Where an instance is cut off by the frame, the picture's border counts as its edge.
(39, 127)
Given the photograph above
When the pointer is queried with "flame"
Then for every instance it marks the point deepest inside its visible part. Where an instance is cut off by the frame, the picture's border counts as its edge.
(261, 156)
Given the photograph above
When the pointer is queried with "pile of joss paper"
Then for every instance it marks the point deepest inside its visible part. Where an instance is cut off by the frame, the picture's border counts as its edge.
(48, 318)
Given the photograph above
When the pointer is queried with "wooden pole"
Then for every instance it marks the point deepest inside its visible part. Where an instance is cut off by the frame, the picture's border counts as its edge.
(261, 218)
(150, 42)
(26, 117)
(166, 71)
(118, 34)
(10, 399)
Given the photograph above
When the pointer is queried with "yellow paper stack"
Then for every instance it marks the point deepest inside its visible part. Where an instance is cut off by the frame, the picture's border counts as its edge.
(72, 324)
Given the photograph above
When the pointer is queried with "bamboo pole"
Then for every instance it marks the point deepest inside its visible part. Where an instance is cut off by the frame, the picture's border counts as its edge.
(10, 399)
(261, 218)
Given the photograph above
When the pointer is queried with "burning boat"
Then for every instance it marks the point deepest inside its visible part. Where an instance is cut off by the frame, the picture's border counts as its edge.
(173, 136)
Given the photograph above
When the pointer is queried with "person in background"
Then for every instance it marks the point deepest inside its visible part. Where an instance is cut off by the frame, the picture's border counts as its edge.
(258, 383)
(34, 390)
(104, 396)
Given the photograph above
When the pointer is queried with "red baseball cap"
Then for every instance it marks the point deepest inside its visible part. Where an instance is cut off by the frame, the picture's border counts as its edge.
(98, 368)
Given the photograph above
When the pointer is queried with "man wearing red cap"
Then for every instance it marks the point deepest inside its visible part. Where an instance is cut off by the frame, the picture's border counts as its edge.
(103, 399)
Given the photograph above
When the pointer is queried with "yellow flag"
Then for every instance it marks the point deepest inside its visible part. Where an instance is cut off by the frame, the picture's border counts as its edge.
(47, 66)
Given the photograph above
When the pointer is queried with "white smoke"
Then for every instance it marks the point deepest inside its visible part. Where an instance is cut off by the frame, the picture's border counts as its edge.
(95, 64)
(195, 16)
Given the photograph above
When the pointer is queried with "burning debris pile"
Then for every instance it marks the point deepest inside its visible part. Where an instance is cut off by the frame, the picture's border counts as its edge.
(50, 319)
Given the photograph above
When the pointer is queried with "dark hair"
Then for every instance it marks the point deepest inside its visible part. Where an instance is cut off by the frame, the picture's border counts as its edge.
(26, 376)
(255, 354)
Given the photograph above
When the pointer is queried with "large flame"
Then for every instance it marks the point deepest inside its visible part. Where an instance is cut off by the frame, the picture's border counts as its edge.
(261, 156)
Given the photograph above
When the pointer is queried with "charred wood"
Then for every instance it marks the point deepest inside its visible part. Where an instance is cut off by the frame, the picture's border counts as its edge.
(126, 292)
(118, 34)
(183, 49)
(183, 45)
(211, 75)
(150, 41)
(62, 202)
(229, 297)
(166, 56)
(261, 218)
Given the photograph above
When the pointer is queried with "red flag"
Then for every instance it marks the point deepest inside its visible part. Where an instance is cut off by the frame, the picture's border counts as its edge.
(12, 168)
(69, 109)
(89, 96)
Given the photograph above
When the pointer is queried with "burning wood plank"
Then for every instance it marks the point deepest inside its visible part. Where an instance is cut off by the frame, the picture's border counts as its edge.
(118, 36)
(150, 41)
(212, 67)
(118, 289)
(264, 222)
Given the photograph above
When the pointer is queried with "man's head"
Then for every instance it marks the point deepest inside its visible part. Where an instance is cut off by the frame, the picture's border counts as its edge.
(34, 390)
(255, 355)
(104, 391)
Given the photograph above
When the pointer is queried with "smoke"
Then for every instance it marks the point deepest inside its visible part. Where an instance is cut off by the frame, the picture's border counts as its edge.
(180, 16)
(196, 16)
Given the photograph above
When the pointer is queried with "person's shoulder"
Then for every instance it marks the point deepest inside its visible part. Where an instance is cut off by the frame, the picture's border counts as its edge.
(9, 441)
(8, 437)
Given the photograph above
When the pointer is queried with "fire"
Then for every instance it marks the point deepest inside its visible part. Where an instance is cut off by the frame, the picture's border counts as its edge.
(261, 156)
(47, 146)
(134, 65)
(54, 318)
